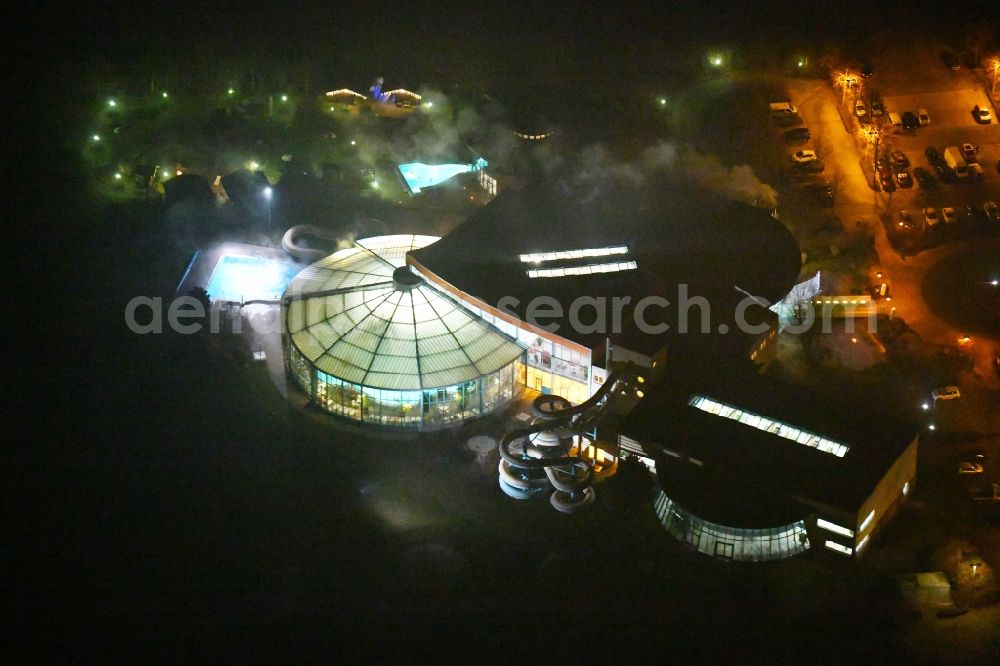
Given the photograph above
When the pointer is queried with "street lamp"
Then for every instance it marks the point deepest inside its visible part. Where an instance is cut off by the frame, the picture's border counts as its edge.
(284, 98)
(267, 195)
(112, 103)
(873, 141)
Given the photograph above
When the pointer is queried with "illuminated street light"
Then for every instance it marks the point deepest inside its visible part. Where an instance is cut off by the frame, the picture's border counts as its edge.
(429, 104)
(96, 138)
(231, 91)
(253, 165)
(715, 60)
(267, 195)
(112, 103)
(801, 63)
(353, 142)
(164, 94)
(375, 184)
(931, 427)
(118, 176)
(925, 406)
(663, 101)
(284, 98)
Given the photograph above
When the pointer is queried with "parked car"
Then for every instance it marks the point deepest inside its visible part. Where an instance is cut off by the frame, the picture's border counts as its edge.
(859, 109)
(949, 215)
(821, 193)
(982, 114)
(886, 182)
(975, 171)
(931, 218)
(878, 109)
(933, 156)
(969, 152)
(970, 468)
(882, 163)
(905, 221)
(946, 393)
(944, 173)
(923, 117)
(977, 456)
(951, 60)
(800, 134)
(924, 177)
(802, 156)
(899, 159)
(903, 178)
(992, 211)
(910, 120)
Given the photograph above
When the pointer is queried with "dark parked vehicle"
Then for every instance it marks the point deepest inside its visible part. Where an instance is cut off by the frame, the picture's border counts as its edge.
(821, 193)
(904, 179)
(804, 169)
(867, 70)
(924, 177)
(933, 156)
(951, 60)
(800, 134)
(886, 181)
(944, 173)
(878, 109)
(882, 163)
(910, 120)
(899, 159)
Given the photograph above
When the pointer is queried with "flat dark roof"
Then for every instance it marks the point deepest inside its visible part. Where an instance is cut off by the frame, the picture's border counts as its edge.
(677, 235)
(769, 475)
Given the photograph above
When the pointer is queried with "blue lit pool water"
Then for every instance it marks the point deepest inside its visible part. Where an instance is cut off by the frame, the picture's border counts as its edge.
(242, 278)
(419, 175)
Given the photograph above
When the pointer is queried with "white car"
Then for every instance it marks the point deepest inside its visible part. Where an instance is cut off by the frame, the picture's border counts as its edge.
(982, 114)
(803, 156)
(946, 393)
(970, 468)
(859, 109)
(931, 217)
(923, 117)
(949, 215)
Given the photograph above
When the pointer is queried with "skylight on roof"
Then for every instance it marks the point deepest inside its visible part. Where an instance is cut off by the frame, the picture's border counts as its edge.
(778, 428)
(537, 257)
(582, 270)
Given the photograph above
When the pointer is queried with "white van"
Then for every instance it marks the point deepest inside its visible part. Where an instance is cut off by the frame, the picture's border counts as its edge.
(895, 120)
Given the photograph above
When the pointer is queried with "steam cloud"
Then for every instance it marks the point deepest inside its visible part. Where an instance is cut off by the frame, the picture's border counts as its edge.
(440, 134)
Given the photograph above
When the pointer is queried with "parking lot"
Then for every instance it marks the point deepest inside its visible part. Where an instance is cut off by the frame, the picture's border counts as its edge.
(952, 124)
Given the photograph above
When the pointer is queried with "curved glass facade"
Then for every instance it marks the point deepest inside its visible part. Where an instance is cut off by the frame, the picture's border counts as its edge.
(368, 339)
(405, 409)
(733, 543)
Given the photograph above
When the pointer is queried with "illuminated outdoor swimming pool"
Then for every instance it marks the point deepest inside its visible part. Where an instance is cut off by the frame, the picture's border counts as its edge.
(242, 278)
(419, 175)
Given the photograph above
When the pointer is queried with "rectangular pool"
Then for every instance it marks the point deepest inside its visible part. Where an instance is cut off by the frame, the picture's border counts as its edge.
(241, 278)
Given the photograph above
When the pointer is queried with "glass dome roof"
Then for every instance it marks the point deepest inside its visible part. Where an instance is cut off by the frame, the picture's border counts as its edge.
(350, 318)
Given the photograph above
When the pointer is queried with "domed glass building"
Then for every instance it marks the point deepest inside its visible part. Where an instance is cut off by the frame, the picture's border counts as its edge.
(369, 339)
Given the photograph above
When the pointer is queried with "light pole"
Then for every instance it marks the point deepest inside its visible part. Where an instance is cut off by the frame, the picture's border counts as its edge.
(995, 64)
(267, 195)
(873, 140)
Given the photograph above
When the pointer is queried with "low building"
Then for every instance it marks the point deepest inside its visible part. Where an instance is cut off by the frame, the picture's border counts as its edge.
(750, 468)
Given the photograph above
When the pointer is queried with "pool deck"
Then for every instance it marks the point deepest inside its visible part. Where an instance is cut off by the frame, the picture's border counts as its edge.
(200, 272)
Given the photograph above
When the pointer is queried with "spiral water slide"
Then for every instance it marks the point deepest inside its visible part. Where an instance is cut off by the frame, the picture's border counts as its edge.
(550, 449)
(290, 245)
